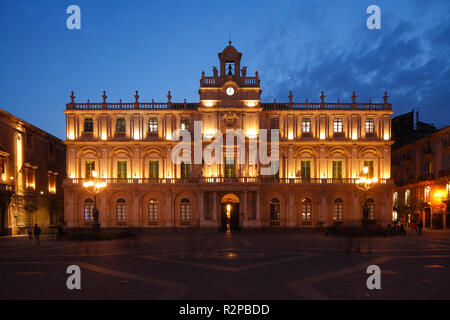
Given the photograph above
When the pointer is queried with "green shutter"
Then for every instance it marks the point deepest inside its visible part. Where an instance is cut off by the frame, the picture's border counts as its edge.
(306, 169)
(121, 169)
(337, 169)
(154, 169)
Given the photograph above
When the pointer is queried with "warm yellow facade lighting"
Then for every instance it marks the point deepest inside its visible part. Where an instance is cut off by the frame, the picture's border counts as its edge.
(208, 103)
(251, 103)
(251, 133)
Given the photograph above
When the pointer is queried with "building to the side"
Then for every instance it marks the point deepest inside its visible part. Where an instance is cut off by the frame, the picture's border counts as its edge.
(323, 148)
(32, 168)
(421, 171)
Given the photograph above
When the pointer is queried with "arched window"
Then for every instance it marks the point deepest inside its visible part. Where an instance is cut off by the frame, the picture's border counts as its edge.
(185, 209)
(337, 125)
(371, 205)
(338, 210)
(152, 210)
(407, 197)
(306, 209)
(370, 125)
(88, 210)
(275, 211)
(121, 211)
(395, 199)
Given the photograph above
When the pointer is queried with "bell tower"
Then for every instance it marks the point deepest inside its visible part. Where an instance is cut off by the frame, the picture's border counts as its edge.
(230, 61)
(230, 86)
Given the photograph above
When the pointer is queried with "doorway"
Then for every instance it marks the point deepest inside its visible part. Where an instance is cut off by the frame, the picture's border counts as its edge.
(229, 213)
(427, 217)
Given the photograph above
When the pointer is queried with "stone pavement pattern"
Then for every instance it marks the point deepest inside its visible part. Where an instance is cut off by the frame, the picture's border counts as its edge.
(212, 265)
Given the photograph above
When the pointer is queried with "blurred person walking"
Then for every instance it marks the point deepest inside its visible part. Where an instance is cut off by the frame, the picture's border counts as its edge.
(37, 234)
(413, 227)
(420, 226)
(30, 233)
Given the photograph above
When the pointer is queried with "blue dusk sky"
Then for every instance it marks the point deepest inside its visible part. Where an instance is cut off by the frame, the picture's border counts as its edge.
(156, 46)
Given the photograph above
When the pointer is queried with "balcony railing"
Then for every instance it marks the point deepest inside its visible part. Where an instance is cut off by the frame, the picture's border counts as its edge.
(223, 180)
(195, 105)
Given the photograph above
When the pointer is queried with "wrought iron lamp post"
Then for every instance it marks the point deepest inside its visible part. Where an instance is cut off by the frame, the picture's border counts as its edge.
(95, 186)
(365, 183)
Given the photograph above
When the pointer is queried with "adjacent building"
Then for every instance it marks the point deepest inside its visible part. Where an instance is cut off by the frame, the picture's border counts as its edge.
(421, 170)
(32, 168)
(322, 150)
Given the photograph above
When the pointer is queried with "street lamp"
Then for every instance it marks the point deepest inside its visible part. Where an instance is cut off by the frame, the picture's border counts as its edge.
(95, 186)
(365, 183)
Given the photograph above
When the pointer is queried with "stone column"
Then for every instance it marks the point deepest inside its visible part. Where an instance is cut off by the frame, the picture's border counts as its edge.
(215, 206)
(290, 212)
(245, 206)
(201, 205)
(258, 216)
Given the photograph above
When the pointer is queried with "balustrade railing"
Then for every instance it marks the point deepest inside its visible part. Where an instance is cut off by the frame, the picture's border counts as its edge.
(224, 180)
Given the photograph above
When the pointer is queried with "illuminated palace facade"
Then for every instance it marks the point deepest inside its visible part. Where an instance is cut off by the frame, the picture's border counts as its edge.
(323, 148)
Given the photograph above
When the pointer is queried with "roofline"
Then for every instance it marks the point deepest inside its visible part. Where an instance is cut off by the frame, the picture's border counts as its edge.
(6, 113)
(420, 139)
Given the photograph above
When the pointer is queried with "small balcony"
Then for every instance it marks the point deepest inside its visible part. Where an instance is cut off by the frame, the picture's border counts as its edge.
(152, 135)
(339, 135)
(120, 135)
(87, 135)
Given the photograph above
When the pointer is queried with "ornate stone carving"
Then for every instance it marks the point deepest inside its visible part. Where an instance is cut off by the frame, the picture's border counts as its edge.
(230, 119)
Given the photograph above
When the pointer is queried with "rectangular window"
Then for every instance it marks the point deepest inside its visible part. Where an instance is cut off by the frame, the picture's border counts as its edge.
(306, 125)
(51, 184)
(184, 124)
(185, 211)
(306, 211)
(306, 169)
(337, 169)
(30, 180)
(369, 165)
(275, 123)
(89, 168)
(230, 168)
(185, 170)
(426, 194)
(338, 211)
(120, 125)
(88, 125)
(121, 212)
(153, 125)
(337, 125)
(121, 169)
(370, 125)
(154, 169)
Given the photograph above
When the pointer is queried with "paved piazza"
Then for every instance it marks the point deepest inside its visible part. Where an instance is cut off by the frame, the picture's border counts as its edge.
(212, 265)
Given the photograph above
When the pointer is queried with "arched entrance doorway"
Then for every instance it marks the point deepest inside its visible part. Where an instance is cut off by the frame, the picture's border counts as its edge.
(229, 212)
